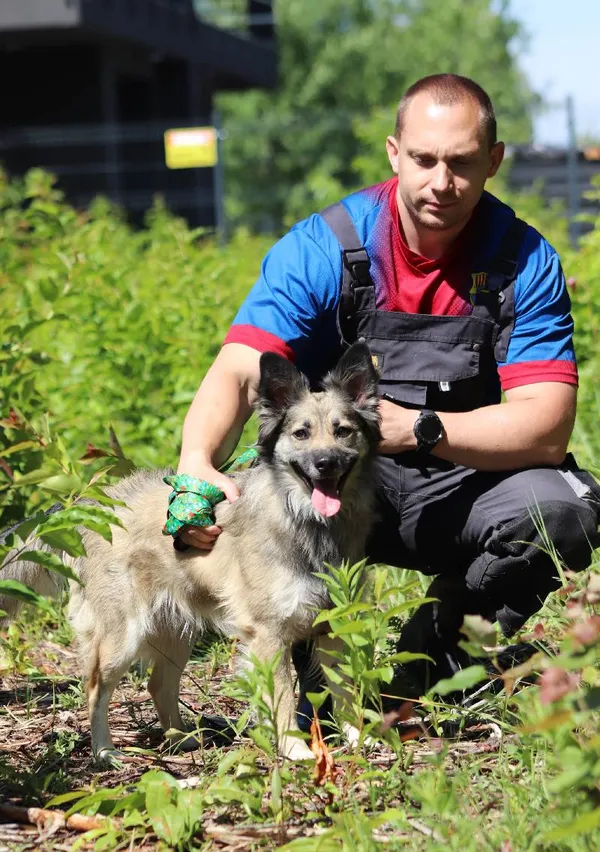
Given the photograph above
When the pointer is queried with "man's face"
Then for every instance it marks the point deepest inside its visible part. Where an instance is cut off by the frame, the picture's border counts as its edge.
(442, 160)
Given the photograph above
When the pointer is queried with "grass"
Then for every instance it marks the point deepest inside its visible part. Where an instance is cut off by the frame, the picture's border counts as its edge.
(452, 779)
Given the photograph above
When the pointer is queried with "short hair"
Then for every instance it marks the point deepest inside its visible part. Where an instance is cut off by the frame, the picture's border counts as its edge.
(446, 90)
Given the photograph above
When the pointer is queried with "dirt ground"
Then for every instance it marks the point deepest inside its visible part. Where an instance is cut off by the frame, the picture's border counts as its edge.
(45, 748)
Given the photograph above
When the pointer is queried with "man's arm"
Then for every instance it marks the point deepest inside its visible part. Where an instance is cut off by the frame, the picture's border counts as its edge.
(214, 423)
(531, 428)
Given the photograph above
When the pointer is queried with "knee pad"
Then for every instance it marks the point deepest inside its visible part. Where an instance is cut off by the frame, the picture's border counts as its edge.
(518, 570)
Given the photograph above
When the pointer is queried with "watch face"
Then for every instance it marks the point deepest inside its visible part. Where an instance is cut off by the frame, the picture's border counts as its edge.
(429, 428)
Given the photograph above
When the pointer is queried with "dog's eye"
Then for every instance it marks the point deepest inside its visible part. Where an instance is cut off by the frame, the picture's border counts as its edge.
(343, 432)
(300, 434)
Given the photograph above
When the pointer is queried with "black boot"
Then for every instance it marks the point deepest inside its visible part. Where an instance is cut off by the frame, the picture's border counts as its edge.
(434, 630)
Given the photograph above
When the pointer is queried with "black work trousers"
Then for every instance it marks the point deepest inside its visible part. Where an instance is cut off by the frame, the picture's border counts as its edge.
(485, 535)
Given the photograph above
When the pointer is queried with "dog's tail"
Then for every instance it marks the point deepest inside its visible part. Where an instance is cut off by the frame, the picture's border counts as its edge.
(31, 574)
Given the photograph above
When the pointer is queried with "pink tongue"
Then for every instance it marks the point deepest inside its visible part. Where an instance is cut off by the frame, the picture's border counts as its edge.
(325, 499)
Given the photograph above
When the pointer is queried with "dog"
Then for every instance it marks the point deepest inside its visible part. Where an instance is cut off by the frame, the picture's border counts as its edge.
(306, 503)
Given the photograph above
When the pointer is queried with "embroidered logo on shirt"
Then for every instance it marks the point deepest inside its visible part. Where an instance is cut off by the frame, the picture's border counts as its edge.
(377, 361)
(479, 282)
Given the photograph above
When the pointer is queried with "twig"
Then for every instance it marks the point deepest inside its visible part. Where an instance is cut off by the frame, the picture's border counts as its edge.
(248, 833)
(50, 820)
(424, 829)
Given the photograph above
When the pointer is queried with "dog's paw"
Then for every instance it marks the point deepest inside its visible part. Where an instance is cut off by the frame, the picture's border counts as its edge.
(295, 749)
(110, 758)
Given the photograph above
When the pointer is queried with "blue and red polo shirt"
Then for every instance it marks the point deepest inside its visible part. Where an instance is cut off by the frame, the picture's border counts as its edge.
(292, 307)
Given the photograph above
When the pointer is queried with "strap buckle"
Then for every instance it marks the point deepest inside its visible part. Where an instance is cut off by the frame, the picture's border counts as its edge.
(358, 263)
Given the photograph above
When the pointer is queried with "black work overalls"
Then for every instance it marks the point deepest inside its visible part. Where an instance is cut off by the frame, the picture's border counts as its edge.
(478, 530)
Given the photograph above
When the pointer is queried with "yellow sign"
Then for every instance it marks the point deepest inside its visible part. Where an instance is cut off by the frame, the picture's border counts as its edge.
(191, 147)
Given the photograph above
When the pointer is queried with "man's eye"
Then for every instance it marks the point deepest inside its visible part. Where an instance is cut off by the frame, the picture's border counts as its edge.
(300, 434)
(343, 432)
(426, 162)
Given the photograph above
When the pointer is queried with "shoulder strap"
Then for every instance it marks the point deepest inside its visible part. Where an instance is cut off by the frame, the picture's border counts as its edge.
(506, 261)
(356, 265)
(502, 273)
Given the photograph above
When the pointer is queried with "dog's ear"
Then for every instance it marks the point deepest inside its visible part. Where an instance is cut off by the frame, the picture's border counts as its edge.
(279, 387)
(355, 375)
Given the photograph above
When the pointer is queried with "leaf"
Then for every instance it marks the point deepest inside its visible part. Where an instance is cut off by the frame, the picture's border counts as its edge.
(563, 717)
(50, 561)
(582, 825)
(406, 607)
(34, 476)
(92, 453)
(68, 540)
(479, 631)
(66, 797)
(403, 657)
(114, 443)
(325, 769)
(79, 516)
(317, 699)
(555, 683)
(17, 448)
(339, 611)
(62, 483)
(25, 528)
(48, 289)
(261, 739)
(18, 590)
(349, 627)
(464, 679)
(332, 675)
(170, 825)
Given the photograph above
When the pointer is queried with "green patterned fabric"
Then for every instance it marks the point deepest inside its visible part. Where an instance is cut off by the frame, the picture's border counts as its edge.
(192, 500)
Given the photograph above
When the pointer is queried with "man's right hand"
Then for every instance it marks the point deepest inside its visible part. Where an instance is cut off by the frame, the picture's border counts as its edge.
(203, 538)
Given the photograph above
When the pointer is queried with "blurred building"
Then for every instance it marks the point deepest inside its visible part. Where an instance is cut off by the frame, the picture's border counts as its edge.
(90, 86)
(561, 174)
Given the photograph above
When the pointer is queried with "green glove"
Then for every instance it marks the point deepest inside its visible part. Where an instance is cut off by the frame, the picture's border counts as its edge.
(191, 503)
(192, 500)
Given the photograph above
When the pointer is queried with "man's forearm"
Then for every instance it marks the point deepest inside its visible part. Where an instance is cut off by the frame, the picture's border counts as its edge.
(501, 437)
(215, 420)
(522, 432)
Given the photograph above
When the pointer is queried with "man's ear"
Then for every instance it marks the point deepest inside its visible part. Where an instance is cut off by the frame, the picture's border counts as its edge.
(392, 147)
(280, 385)
(496, 157)
(356, 377)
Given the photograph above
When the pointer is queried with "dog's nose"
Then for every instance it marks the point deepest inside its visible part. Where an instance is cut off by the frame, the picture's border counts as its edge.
(325, 465)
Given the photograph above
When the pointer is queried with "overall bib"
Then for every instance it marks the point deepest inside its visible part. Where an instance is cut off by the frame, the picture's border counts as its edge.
(479, 531)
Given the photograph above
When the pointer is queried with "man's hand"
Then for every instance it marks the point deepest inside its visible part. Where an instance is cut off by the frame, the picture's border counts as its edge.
(204, 538)
(397, 425)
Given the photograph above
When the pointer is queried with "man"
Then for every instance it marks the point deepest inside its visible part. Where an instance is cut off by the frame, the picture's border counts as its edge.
(457, 300)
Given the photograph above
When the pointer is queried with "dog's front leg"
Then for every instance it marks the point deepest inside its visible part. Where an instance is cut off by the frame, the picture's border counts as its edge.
(282, 703)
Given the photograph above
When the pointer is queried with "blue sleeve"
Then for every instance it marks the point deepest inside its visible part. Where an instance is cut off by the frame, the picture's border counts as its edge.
(541, 344)
(298, 287)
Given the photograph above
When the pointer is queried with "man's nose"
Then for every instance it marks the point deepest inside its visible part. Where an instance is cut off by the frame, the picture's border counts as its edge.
(442, 179)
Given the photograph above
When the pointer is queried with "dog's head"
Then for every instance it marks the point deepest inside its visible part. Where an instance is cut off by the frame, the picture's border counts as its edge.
(319, 442)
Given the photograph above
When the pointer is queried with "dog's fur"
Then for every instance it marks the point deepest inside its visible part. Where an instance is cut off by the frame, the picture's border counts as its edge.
(143, 599)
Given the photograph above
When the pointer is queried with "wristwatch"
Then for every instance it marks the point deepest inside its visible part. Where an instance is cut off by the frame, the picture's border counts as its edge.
(428, 430)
